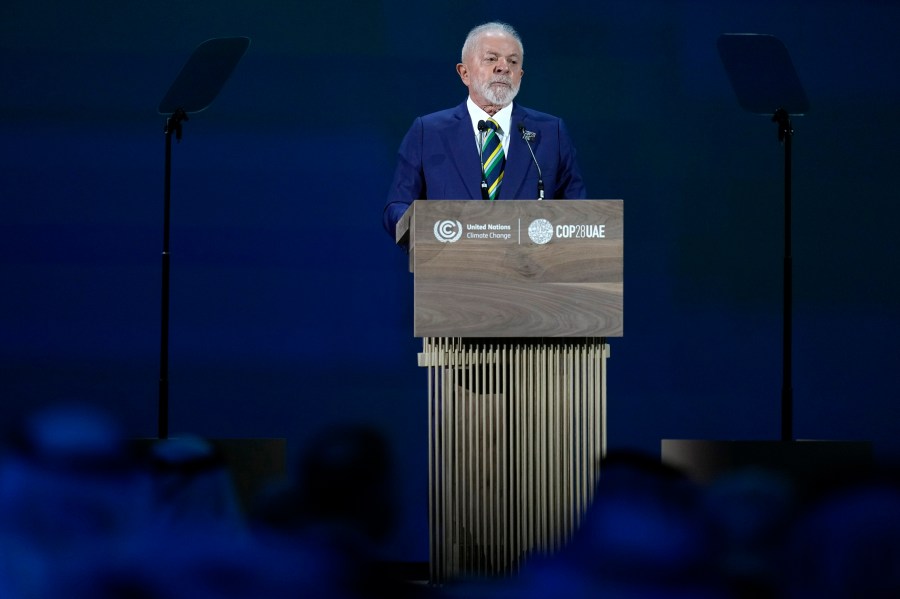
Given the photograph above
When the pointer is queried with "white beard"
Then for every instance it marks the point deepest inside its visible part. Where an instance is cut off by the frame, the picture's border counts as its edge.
(498, 95)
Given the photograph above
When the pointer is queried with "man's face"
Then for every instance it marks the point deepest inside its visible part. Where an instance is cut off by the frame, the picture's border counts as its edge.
(493, 71)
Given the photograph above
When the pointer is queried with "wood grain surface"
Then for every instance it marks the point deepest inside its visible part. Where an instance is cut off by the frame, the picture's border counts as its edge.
(489, 278)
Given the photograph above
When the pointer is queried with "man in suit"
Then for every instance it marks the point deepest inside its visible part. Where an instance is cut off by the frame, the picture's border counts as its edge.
(441, 156)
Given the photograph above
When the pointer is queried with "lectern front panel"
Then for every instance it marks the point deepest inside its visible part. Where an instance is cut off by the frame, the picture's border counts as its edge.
(518, 268)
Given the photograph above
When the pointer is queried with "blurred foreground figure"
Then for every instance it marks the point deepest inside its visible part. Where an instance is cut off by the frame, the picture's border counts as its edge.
(343, 500)
(848, 544)
(192, 485)
(67, 486)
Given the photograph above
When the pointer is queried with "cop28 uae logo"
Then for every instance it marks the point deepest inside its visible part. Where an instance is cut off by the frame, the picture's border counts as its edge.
(540, 231)
(448, 231)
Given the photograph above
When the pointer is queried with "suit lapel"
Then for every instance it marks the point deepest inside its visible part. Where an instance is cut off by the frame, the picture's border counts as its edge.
(462, 150)
(518, 162)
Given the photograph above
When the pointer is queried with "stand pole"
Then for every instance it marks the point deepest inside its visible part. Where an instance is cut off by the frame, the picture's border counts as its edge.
(785, 135)
(196, 86)
(173, 126)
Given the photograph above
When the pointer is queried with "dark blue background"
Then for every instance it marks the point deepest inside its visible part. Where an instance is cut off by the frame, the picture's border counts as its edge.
(291, 309)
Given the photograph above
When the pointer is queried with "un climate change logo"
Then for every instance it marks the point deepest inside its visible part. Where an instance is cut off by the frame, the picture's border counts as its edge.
(540, 231)
(448, 231)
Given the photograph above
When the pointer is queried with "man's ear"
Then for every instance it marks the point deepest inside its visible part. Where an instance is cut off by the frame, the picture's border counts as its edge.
(463, 73)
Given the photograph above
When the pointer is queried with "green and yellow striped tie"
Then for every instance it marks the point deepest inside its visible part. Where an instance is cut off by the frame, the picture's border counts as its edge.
(493, 158)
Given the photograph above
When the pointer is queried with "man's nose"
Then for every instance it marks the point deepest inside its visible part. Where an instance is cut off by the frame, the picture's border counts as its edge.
(502, 66)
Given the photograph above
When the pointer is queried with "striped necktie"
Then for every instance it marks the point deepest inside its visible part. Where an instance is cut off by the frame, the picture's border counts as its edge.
(493, 158)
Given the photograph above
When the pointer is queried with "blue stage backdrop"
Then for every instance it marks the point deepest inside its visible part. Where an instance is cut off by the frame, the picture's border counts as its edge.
(290, 307)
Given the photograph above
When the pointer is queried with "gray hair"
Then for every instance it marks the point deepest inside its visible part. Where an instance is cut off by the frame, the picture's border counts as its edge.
(492, 27)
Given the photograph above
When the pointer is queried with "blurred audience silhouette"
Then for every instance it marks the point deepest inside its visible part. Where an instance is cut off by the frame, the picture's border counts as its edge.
(84, 514)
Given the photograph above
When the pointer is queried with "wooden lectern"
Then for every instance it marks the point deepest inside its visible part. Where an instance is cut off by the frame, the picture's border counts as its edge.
(514, 301)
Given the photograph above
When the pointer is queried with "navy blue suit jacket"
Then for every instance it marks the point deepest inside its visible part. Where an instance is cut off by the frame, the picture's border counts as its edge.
(438, 160)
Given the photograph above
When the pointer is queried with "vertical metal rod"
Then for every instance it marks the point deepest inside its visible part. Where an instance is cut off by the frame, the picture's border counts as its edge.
(472, 478)
(566, 446)
(503, 416)
(162, 424)
(552, 430)
(521, 396)
(542, 448)
(531, 446)
(787, 389)
(449, 463)
(581, 435)
(440, 416)
(604, 354)
(597, 379)
(535, 452)
(490, 458)
(433, 529)
(446, 474)
(586, 427)
(496, 459)
(592, 425)
(483, 450)
(480, 452)
(454, 542)
(458, 540)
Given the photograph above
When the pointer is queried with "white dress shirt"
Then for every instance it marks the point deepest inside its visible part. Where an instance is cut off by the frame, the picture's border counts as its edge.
(503, 118)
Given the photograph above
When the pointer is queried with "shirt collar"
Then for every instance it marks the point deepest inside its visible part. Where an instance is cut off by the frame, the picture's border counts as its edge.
(503, 117)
